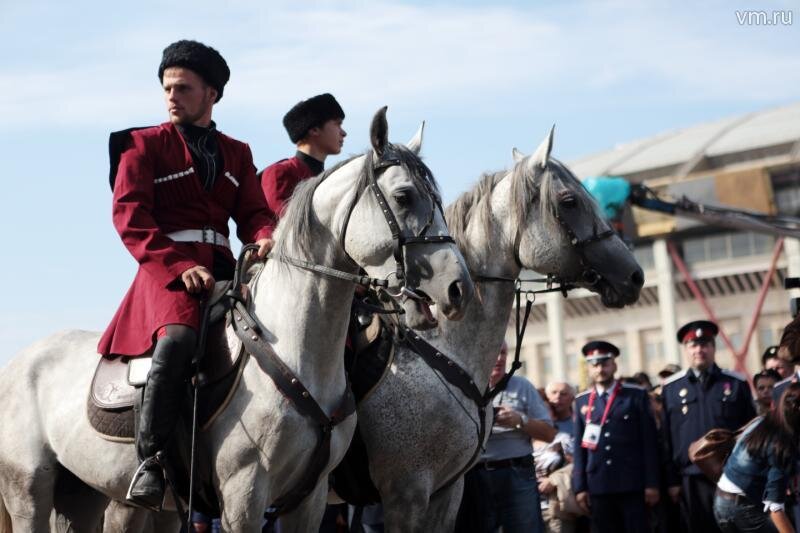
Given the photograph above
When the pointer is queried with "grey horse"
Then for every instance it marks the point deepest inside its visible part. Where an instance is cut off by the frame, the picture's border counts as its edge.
(260, 445)
(421, 432)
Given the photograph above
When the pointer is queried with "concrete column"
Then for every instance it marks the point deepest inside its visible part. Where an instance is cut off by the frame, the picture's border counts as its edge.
(666, 300)
(555, 330)
(583, 377)
(635, 361)
(791, 247)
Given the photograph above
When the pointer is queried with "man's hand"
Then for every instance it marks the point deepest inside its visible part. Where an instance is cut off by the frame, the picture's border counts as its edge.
(507, 417)
(583, 501)
(197, 279)
(650, 496)
(545, 487)
(674, 493)
(264, 246)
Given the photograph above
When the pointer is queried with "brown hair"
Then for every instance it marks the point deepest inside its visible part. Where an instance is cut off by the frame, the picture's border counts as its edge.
(779, 432)
(790, 342)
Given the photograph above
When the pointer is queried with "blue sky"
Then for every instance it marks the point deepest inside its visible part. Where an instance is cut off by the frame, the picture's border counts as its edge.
(486, 76)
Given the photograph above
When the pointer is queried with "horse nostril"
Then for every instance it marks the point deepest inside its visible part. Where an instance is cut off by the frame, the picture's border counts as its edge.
(455, 294)
(638, 277)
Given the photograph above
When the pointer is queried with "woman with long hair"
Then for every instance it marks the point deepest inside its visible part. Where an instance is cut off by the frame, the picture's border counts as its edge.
(752, 490)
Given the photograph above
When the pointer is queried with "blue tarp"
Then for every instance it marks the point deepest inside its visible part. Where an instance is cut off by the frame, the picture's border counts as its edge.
(611, 193)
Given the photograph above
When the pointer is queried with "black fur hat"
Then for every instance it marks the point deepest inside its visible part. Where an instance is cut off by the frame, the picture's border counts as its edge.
(311, 113)
(202, 59)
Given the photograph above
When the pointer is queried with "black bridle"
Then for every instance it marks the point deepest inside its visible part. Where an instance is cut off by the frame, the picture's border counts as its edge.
(580, 239)
(390, 157)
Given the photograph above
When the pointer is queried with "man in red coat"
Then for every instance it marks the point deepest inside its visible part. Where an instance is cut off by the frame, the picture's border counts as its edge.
(315, 126)
(175, 188)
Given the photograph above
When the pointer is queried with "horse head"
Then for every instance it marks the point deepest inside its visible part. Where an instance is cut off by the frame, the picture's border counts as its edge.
(381, 212)
(559, 230)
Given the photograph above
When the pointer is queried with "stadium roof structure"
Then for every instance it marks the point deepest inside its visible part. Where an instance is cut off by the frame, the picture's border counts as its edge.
(759, 135)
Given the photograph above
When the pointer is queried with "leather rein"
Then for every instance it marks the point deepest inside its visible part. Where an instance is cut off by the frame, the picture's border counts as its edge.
(250, 331)
(388, 158)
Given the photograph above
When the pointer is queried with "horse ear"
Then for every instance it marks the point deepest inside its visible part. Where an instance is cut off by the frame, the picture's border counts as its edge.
(415, 144)
(379, 131)
(517, 155)
(542, 154)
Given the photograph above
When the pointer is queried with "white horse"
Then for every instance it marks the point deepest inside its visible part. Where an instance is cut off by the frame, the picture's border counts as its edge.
(421, 433)
(260, 446)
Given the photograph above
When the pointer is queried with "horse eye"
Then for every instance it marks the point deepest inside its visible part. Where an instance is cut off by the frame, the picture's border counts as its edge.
(403, 199)
(569, 201)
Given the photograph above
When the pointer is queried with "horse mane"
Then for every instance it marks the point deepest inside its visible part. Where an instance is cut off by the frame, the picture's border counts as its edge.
(526, 188)
(299, 219)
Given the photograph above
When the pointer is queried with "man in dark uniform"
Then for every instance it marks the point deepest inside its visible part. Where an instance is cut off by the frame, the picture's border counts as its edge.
(315, 126)
(175, 188)
(615, 470)
(696, 400)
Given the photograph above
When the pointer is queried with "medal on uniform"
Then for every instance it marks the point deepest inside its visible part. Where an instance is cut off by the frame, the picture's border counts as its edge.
(727, 388)
(683, 392)
(685, 409)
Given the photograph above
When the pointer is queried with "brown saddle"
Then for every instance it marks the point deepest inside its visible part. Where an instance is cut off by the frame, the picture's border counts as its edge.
(118, 380)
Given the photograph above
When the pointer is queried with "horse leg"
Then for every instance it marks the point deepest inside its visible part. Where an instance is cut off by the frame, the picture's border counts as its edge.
(121, 518)
(308, 515)
(78, 507)
(443, 507)
(244, 497)
(405, 504)
(28, 497)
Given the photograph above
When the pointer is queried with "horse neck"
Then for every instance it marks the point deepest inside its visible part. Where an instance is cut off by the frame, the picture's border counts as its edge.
(475, 340)
(306, 316)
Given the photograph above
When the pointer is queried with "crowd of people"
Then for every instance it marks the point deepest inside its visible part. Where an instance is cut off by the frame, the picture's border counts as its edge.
(619, 460)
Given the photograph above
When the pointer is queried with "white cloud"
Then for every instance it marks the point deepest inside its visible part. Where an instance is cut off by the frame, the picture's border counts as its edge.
(442, 55)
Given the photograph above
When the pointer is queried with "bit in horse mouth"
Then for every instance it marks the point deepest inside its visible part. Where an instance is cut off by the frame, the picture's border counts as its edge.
(426, 306)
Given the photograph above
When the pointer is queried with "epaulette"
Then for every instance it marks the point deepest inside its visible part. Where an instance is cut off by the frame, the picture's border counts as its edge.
(634, 386)
(675, 377)
(584, 393)
(734, 374)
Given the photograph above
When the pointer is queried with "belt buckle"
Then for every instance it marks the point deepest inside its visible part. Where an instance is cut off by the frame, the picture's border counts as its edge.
(209, 235)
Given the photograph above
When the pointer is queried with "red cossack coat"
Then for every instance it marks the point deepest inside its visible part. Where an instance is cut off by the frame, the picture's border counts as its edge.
(279, 180)
(157, 192)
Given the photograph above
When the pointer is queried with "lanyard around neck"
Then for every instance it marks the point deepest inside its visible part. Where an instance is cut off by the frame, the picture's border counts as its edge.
(611, 398)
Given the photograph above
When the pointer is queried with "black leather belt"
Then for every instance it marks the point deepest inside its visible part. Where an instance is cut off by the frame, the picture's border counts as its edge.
(525, 460)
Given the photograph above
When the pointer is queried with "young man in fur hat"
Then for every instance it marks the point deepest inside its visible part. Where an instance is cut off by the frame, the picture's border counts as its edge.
(175, 188)
(315, 126)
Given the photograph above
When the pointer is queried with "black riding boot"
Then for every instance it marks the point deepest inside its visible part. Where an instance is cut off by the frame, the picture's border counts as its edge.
(161, 405)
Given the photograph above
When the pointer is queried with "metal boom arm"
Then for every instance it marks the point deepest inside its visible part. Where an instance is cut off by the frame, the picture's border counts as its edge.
(741, 219)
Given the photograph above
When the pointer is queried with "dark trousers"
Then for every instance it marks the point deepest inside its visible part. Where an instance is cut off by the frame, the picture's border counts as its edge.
(697, 504)
(743, 516)
(504, 497)
(619, 513)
